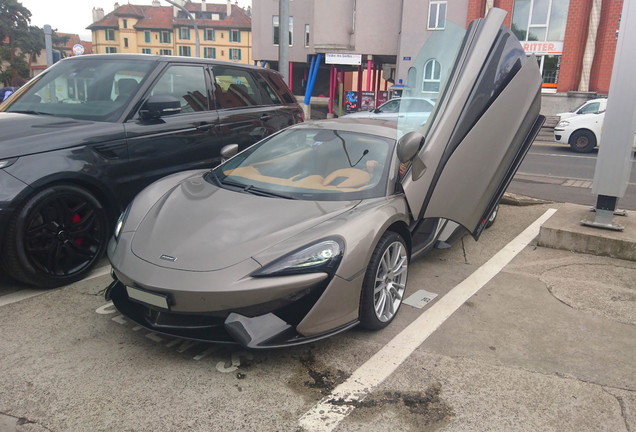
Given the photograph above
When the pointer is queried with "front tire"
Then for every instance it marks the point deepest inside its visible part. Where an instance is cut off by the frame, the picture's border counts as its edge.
(384, 282)
(582, 141)
(56, 237)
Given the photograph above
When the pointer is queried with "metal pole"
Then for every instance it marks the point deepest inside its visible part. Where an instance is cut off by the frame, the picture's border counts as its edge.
(613, 164)
(48, 44)
(283, 42)
(194, 23)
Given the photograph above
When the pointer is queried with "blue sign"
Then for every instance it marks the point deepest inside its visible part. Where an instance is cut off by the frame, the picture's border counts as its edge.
(406, 58)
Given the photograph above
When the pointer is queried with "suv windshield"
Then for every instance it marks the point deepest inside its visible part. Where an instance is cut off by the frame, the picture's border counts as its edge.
(311, 164)
(95, 89)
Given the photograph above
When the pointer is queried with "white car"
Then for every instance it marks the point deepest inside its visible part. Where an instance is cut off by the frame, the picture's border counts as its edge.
(413, 111)
(593, 106)
(582, 132)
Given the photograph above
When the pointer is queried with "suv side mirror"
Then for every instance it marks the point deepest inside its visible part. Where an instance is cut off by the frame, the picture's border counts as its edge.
(408, 146)
(158, 106)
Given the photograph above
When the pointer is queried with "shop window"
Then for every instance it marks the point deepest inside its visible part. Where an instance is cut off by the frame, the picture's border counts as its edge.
(540, 26)
(306, 35)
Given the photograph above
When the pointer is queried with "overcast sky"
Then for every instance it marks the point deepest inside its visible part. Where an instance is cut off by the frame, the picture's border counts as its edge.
(73, 16)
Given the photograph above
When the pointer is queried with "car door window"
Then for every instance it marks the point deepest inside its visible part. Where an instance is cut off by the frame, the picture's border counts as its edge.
(589, 108)
(268, 94)
(186, 83)
(235, 88)
(390, 107)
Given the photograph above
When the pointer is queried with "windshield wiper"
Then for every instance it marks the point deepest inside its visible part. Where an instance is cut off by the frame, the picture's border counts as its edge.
(32, 112)
(254, 190)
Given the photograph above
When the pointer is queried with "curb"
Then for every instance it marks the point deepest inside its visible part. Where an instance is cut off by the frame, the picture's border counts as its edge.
(510, 198)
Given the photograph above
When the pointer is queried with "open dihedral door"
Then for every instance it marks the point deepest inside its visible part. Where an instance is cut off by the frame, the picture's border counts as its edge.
(486, 119)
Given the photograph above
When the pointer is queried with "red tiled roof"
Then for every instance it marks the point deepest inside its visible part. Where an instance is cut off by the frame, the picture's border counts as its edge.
(162, 17)
(129, 10)
(156, 17)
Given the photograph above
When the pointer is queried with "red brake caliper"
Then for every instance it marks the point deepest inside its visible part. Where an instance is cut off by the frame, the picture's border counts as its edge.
(76, 219)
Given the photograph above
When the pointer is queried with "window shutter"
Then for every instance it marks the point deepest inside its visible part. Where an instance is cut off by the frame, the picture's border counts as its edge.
(213, 53)
(239, 40)
(213, 35)
(147, 36)
(230, 53)
(205, 53)
(188, 32)
(205, 34)
(180, 50)
(239, 53)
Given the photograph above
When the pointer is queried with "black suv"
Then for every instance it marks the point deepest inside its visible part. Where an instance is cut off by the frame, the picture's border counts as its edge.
(79, 141)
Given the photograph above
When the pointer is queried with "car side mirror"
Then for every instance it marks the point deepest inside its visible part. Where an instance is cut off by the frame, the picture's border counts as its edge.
(228, 151)
(158, 106)
(408, 146)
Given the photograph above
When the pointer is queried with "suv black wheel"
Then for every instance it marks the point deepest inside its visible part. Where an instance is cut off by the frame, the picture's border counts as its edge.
(582, 141)
(384, 282)
(56, 237)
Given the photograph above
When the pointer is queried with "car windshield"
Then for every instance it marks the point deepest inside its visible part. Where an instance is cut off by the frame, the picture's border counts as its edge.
(91, 89)
(311, 164)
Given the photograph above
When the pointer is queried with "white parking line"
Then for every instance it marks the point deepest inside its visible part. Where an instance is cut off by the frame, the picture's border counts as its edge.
(325, 416)
(30, 292)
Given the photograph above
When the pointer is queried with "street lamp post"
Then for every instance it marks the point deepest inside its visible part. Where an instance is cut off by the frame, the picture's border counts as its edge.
(196, 29)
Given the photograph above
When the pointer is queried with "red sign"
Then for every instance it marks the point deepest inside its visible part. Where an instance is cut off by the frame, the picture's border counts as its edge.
(543, 47)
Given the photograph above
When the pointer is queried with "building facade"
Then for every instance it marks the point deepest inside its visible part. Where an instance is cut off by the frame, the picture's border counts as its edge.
(574, 41)
(225, 30)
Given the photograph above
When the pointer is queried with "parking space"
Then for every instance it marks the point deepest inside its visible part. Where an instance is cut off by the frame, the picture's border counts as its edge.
(547, 344)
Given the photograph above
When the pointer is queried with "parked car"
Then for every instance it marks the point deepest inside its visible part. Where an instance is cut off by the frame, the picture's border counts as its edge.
(593, 106)
(80, 140)
(413, 112)
(582, 132)
(311, 231)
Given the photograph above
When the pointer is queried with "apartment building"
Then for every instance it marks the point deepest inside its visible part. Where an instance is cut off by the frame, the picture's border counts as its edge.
(225, 30)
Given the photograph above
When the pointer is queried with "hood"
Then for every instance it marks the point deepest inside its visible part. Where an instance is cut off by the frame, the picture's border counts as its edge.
(24, 134)
(205, 228)
(566, 115)
(584, 119)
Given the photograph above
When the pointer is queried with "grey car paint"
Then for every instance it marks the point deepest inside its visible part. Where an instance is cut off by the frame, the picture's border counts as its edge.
(213, 270)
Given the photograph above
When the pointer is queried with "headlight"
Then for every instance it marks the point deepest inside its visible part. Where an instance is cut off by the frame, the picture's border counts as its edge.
(4, 163)
(320, 257)
(563, 123)
(120, 222)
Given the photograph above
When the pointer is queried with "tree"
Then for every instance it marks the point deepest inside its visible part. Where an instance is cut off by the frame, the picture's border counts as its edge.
(14, 25)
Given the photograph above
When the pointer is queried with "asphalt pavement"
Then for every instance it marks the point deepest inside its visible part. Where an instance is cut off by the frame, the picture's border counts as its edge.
(546, 341)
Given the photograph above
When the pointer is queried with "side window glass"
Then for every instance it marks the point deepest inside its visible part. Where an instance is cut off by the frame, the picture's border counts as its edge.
(390, 107)
(186, 83)
(269, 95)
(235, 88)
(589, 108)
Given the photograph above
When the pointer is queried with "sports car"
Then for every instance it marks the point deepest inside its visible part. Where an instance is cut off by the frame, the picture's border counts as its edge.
(311, 231)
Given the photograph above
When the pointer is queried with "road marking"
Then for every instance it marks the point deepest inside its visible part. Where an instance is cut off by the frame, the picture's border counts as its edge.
(27, 293)
(325, 416)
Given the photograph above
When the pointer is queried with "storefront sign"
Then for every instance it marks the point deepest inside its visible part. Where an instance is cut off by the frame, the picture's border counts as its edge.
(343, 59)
(548, 48)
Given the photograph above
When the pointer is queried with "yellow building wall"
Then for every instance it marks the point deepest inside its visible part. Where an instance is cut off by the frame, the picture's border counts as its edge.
(137, 42)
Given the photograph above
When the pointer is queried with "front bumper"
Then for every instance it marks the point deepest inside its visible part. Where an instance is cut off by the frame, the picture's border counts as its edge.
(262, 329)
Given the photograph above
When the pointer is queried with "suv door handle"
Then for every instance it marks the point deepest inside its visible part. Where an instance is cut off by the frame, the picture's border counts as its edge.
(266, 117)
(204, 127)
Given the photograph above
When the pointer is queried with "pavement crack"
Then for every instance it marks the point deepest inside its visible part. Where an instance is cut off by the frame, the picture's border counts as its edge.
(464, 249)
(621, 404)
(23, 420)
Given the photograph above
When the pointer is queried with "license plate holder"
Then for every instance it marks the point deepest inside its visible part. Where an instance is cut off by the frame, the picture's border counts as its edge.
(148, 298)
